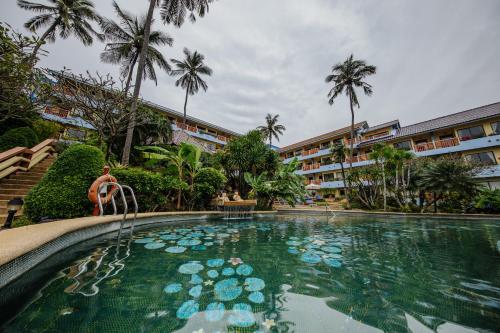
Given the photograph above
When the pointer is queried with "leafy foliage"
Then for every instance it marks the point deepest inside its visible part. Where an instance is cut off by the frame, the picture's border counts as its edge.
(488, 201)
(45, 129)
(272, 128)
(152, 190)
(18, 137)
(207, 182)
(62, 193)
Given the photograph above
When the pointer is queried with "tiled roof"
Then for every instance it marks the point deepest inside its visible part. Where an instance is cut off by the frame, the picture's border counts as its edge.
(384, 125)
(323, 137)
(478, 113)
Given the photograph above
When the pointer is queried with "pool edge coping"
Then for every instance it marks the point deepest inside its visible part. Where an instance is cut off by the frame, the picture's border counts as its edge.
(23, 248)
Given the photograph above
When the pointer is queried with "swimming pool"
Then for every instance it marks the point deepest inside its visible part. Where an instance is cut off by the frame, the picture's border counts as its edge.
(287, 273)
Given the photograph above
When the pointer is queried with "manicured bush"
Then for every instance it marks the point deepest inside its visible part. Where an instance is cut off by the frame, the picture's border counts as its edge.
(151, 189)
(18, 137)
(62, 193)
(206, 184)
(45, 129)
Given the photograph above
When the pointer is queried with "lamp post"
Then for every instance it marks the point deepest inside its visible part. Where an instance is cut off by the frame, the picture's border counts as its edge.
(13, 206)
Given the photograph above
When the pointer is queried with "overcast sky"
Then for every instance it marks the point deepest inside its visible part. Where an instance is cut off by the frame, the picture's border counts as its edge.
(271, 56)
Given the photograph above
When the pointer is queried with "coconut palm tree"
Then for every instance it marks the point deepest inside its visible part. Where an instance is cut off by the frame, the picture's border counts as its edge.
(66, 17)
(346, 77)
(382, 154)
(172, 12)
(339, 153)
(125, 44)
(190, 70)
(272, 128)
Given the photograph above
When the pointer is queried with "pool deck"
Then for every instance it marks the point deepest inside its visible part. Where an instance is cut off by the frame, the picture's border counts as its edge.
(19, 241)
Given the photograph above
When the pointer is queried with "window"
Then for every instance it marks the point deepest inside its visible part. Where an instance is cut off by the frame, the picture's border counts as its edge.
(487, 158)
(329, 177)
(326, 161)
(471, 133)
(325, 145)
(496, 128)
(298, 152)
(405, 145)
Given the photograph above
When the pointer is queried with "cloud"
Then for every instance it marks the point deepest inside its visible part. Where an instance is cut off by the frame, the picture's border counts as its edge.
(271, 56)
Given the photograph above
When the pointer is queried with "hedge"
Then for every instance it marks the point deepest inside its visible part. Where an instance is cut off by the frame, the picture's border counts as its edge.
(18, 137)
(62, 193)
(45, 129)
(151, 189)
(206, 184)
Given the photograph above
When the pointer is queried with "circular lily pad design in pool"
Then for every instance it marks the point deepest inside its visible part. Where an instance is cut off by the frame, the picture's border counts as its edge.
(293, 243)
(170, 237)
(195, 291)
(310, 258)
(242, 315)
(175, 249)
(188, 309)
(144, 240)
(196, 279)
(199, 247)
(212, 274)
(215, 262)
(190, 268)
(293, 250)
(256, 297)
(173, 288)
(331, 249)
(333, 262)
(188, 242)
(244, 270)
(254, 284)
(227, 290)
(214, 311)
(228, 271)
(154, 245)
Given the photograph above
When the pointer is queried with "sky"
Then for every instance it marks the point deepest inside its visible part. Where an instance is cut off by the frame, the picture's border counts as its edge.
(271, 56)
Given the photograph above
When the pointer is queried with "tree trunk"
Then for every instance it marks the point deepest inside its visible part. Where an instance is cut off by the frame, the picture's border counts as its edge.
(351, 151)
(130, 74)
(179, 199)
(137, 87)
(42, 39)
(385, 187)
(185, 103)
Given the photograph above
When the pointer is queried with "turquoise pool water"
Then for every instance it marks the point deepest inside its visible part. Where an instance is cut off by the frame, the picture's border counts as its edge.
(284, 274)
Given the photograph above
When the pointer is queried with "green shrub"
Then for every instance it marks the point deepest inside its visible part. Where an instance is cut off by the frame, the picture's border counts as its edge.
(62, 193)
(488, 201)
(206, 184)
(45, 129)
(18, 137)
(151, 189)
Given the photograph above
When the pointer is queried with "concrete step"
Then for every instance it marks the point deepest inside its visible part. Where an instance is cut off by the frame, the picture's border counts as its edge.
(11, 196)
(27, 177)
(17, 183)
(4, 213)
(21, 191)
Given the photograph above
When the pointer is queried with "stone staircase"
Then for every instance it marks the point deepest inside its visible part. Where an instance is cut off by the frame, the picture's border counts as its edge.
(19, 184)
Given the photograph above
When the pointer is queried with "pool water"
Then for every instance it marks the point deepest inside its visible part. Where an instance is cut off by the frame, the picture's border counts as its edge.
(280, 274)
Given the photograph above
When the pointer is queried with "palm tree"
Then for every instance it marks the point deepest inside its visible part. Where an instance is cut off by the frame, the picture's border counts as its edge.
(339, 153)
(173, 11)
(189, 71)
(346, 77)
(383, 154)
(272, 129)
(65, 17)
(126, 40)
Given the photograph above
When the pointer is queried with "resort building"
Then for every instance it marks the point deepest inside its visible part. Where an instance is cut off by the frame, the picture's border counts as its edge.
(207, 136)
(473, 134)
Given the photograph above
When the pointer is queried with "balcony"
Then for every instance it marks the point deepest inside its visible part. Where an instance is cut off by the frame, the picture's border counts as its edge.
(310, 152)
(57, 111)
(194, 131)
(446, 143)
(312, 182)
(358, 158)
(311, 167)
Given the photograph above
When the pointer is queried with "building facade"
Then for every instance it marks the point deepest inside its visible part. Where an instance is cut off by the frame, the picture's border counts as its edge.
(209, 137)
(473, 134)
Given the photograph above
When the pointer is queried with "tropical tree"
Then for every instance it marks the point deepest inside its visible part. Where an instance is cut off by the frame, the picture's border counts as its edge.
(346, 77)
(339, 153)
(190, 70)
(382, 154)
(125, 41)
(174, 12)
(272, 128)
(66, 17)
(447, 176)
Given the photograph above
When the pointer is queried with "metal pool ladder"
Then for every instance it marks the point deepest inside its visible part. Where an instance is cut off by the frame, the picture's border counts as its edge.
(124, 201)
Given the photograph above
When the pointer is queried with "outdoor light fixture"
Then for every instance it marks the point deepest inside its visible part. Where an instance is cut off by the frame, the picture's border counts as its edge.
(13, 206)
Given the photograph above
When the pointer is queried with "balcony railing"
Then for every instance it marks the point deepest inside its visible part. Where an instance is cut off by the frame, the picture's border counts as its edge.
(310, 152)
(348, 141)
(57, 111)
(358, 158)
(186, 127)
(311, 167)
(312, 182)
(451, 142)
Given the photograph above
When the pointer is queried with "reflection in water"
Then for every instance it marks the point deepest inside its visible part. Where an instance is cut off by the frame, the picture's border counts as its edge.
(101, 265)
(291, 274)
